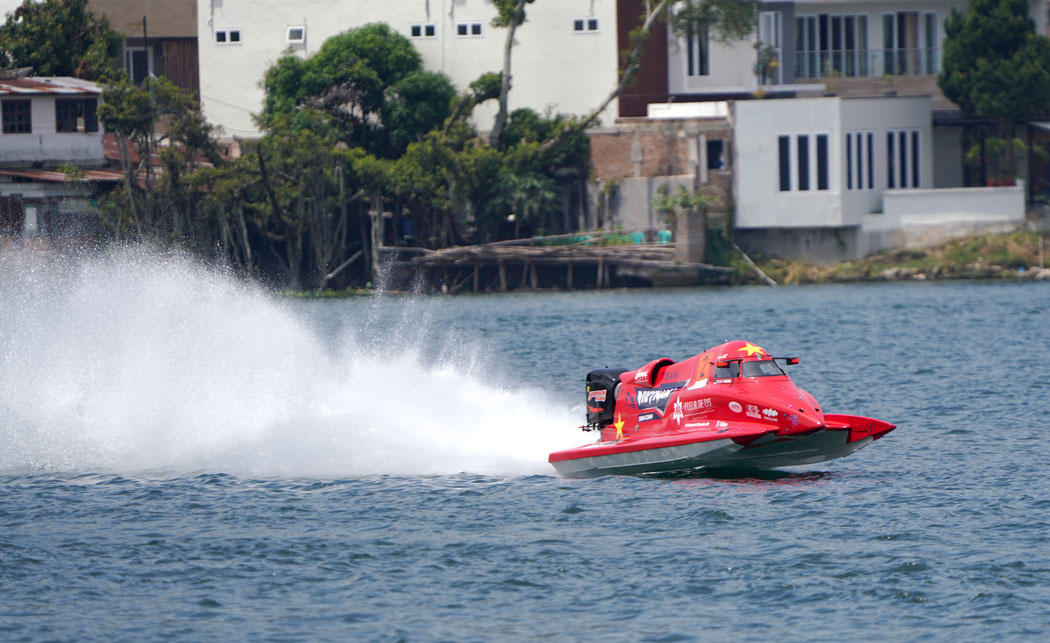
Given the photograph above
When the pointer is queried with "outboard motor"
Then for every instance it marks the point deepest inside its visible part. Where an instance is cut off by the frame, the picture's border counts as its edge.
(601, 396)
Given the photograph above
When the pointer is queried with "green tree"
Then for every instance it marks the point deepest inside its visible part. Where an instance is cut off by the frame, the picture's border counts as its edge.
(996, 66)
(59, 38)
(370, 84)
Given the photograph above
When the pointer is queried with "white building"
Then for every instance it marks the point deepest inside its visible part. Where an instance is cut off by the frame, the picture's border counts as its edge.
(838, 45)
(46, 123)
(564, 59)
(49, 120)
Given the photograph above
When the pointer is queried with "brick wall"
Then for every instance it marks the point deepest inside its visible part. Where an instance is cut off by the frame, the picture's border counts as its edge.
(647, 148)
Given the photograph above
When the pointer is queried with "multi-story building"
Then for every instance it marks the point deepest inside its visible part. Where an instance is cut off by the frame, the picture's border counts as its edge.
(564, 58)
(855, 147)
(160, 38)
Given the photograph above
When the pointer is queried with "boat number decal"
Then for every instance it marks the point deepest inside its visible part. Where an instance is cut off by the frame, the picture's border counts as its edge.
(735, 407)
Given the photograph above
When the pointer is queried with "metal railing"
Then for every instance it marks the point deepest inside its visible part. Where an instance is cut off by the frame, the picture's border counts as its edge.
(868, 62)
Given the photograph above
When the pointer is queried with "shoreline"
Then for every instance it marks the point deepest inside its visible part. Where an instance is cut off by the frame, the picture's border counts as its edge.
(1015, 256)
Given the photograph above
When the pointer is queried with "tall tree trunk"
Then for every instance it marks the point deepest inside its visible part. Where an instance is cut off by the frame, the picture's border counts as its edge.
(517, 17)
(376, 213)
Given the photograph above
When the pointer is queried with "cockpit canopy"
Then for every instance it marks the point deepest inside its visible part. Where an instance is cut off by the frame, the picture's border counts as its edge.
(733, 369)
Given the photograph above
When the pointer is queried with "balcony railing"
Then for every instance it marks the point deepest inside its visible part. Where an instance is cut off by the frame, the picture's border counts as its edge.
(868, 62)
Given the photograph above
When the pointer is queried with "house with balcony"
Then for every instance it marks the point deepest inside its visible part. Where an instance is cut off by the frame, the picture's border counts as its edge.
(51, 158)
(839, 141)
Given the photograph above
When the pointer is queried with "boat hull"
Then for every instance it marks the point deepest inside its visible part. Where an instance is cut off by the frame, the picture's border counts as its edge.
(741, 446)
(671, 458)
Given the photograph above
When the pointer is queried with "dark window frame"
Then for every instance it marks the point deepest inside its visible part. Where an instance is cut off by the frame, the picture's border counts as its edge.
(17, 115)
(76, 115)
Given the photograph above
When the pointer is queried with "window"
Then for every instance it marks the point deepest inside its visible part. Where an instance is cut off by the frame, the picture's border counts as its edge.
(828, 44)
(784, 145)
(910, 40)
(585, 25)
(423, 30)
(903, 159)
(762, 368)
(233, 36)
(769, 36)
(296, 34)
(697, 50)
(807, 175)
(822, 161)
(138, 61)
(915, 158)
(17, 116)
(76, 115)
(468, 29)
(859, 172)
(715, 154)
(803, 162)
(871, 160)
(891, 175)
(849, 161)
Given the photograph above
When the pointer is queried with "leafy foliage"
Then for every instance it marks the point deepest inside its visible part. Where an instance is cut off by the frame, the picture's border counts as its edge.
(370, 85)
(995, 65)
(59, 38)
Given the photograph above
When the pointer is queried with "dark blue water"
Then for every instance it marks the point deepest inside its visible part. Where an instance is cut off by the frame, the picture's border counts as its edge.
(419, 510)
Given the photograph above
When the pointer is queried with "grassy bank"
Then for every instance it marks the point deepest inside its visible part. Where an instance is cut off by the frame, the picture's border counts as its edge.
(1018, 255)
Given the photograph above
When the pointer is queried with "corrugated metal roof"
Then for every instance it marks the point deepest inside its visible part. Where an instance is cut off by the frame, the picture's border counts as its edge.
(48, 85)
(52, 176)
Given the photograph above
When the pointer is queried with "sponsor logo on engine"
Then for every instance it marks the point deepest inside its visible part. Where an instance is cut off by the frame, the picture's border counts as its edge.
(646, 417)
(735, 407)
(752, 411)
(596, 396)
(697, 406)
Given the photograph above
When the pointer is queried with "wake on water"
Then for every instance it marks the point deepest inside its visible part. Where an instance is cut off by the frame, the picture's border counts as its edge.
(139, 362)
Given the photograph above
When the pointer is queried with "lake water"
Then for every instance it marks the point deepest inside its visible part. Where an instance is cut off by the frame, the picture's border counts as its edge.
(186, 457)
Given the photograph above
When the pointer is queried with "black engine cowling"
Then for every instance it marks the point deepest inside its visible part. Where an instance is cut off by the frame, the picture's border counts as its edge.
(601, 395)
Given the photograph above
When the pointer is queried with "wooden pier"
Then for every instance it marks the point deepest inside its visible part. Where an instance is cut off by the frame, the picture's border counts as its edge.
(565, 261)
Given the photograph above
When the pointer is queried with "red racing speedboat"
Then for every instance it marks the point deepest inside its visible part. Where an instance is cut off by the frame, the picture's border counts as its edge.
(731, 406)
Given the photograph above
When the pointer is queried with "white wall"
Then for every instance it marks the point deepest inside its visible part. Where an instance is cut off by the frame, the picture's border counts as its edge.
(731, 68)
(759, 200)
(758, 125)
(44, 143)
(553, 67)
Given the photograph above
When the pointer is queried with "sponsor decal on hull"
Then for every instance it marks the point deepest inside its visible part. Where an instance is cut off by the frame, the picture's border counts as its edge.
(646, 417)
(693, 407)
(752, 411)
(735, 407)
(652, 398)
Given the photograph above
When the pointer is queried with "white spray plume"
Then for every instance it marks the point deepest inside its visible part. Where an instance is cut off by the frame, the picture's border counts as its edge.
(137, 361)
